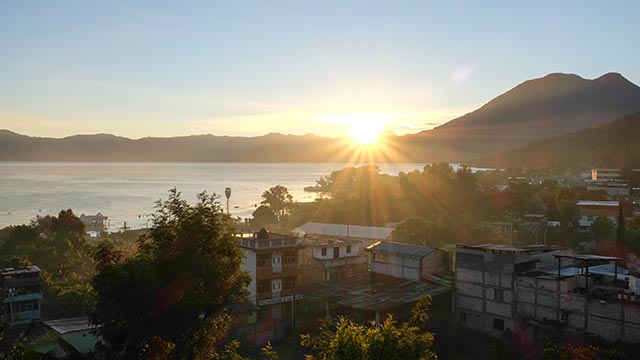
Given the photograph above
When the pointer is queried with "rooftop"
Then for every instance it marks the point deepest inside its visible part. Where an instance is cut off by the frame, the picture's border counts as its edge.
(598, 203)
(504, 248)
(350, 231)
(402, 249)
(19, 270)
(586, 257)
(64, 326)
(373, 292)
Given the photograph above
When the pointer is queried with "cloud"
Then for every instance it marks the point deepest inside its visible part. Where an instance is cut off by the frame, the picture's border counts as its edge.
(461, 74)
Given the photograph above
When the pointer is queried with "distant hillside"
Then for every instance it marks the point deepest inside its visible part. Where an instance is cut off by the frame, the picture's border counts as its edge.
(197, 148)
(610, 145)
(532, 111)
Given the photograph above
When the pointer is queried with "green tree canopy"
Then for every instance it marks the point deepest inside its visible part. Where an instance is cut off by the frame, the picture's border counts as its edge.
(602, 227)
(170, 300)
(412, 230)
(278, 199)
(346, 340)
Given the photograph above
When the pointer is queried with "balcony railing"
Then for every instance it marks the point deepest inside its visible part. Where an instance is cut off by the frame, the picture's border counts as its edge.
(23, 297)
(267, 243)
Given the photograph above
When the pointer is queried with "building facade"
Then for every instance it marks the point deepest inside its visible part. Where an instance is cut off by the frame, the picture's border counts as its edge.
(536, 289)
(20, 295)
(272, 262)
(326, 259)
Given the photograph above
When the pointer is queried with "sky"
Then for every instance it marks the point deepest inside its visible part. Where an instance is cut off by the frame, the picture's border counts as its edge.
(173, 68)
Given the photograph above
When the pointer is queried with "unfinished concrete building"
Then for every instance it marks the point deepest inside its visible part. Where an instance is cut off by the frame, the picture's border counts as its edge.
(541, 288)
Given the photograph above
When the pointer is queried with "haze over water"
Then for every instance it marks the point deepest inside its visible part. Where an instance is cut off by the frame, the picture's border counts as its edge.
(127, 191)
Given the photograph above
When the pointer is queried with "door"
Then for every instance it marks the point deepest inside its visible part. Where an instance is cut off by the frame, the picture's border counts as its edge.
(276, 262)
(276, 287)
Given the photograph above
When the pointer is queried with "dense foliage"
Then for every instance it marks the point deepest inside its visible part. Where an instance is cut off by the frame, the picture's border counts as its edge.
(58, 246)
(346, 340)
(170, 299)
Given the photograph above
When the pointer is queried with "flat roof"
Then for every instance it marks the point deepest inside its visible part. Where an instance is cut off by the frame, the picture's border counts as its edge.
(587, 257)
(64, 326)
(372, 292)
(19, 270)
(320, 240)
(511, 248)
(345, 230)
(597, 203)
(400, 248)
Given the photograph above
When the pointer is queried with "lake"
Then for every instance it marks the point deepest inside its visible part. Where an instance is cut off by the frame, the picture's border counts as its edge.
(126, 192)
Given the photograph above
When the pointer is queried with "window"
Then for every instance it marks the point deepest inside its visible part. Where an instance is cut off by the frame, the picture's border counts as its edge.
(264, 259)
(324, 251)
(498, 324)
(336, 252)
(379, 257)
(498, 295)
(463, 317)
(263, 287)
(289, 258)
(289, 283)
(348, 249)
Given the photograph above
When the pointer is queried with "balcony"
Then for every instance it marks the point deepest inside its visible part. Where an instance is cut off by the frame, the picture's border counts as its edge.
(23, 297)
(260, 244)
(265, 272)
(23, 317)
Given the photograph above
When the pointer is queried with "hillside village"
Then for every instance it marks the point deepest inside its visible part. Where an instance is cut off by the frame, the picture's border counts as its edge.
(529, 286)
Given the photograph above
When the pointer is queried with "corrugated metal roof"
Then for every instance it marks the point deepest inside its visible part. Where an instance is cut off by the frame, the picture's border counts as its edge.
(64, 326)
(401, 249)
(373, 292)
(597, 203)
(352, 231)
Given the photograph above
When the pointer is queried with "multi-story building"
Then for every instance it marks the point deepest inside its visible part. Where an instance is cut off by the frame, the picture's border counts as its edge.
(590, 210)
(272, 262)
(330, 258)
(535, 289)
(20, 295)
(405, 261)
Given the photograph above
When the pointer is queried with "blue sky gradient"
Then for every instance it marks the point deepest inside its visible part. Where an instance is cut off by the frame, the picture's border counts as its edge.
(157, 68)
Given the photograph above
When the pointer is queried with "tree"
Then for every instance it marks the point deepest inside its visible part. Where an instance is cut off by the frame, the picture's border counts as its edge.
(170, 299)
(278, 199)
(263, 216)
(412, 230)
(348, 340)
(602, 227)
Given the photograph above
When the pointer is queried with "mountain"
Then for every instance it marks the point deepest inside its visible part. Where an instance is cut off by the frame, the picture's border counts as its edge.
(534, 110)
(197, 148)
(614, 144)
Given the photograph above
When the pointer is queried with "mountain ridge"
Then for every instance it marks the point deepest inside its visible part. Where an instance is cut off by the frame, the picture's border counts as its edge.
(613, 144)
(531, 111)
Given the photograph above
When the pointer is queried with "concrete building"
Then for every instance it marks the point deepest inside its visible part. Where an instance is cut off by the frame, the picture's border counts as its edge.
(411, 262)
(605, 174)
(20, 295)
(613, 189)
(272, 262)
(590, 210)
(330, 258)
(537, 289)
(400, 274)
(366, 234)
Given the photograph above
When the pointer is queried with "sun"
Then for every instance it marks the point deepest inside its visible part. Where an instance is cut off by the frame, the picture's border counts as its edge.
(366, 132)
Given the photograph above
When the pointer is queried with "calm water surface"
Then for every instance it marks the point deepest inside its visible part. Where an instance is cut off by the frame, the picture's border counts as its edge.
(126, 191)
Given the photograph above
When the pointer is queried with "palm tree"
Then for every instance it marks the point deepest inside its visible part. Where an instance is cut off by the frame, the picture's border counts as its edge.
(227, 193)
